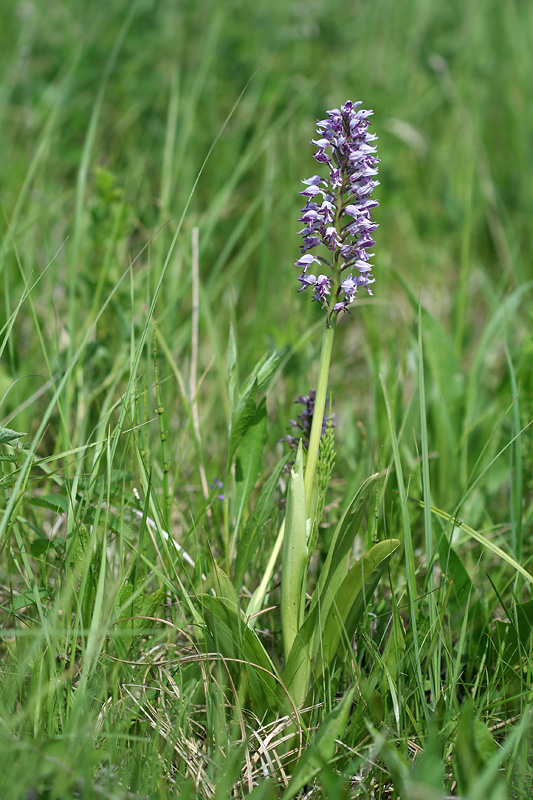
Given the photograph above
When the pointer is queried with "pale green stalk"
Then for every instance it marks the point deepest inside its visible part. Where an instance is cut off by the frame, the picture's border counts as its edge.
(312, 458)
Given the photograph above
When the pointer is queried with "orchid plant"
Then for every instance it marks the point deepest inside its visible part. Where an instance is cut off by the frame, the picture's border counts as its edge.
(337, 236)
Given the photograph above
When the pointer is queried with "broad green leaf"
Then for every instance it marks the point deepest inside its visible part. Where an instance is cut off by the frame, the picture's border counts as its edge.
(322, 749)
(256, 522)
(294, 556)
(352, 597)
(338, 558)
(241, 418)
(228, 634)
(7, 436)
(248, 463)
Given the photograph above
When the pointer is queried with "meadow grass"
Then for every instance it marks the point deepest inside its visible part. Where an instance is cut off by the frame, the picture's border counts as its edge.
(152, 154)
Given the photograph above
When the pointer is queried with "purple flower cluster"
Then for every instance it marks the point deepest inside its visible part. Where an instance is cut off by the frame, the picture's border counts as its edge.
(304, 420)
(338, 211)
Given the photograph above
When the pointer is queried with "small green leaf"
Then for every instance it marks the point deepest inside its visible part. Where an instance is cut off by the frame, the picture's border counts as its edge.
(25, 600)
(263, 371)
(80, 547)
(321, 751)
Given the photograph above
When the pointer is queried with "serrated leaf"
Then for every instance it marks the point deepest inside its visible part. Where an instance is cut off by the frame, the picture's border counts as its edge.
(54, 502)
(7, 436)
(351, 599)
(322, 749)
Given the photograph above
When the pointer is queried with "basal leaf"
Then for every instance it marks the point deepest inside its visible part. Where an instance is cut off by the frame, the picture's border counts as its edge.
(336, 564)
(351, 599)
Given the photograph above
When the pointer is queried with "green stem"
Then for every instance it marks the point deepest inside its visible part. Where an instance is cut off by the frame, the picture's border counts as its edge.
(318, 413)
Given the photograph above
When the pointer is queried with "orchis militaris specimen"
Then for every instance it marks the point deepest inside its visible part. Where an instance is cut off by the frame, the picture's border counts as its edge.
(338, 220)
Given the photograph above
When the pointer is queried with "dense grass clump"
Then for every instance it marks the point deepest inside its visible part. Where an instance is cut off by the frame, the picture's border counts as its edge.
(152, 346)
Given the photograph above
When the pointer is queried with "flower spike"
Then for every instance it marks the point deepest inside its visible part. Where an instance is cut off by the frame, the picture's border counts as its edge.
(338, 211)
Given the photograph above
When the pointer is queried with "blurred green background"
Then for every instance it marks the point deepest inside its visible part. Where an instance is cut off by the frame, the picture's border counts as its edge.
(108, 112)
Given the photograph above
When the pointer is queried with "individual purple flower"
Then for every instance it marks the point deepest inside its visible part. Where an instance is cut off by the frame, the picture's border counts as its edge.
(217, 484)
(338, 209)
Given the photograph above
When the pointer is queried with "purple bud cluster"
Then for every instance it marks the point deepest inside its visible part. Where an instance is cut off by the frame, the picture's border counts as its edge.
(338, 211)
(304, 420)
